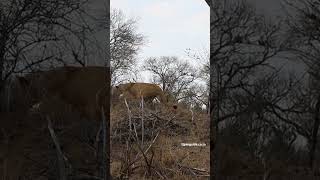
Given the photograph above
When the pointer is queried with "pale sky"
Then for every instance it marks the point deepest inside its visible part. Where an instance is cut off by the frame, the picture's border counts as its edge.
(171, 26)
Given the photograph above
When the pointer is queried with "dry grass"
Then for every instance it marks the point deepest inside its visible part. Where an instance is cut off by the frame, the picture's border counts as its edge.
(27, 150)
(165, 158)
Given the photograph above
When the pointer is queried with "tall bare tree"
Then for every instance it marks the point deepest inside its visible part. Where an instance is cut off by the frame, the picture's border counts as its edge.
(173, 74)
(202, 58)
(303, 19)
(242, 43)
(125, 43)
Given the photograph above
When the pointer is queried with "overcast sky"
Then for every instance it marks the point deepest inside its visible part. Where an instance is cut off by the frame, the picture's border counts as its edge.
(175, 25)
(171, 26)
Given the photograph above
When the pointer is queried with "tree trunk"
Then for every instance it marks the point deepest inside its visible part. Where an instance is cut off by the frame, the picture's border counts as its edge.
(315, 132)
(102, 152)
(2, 81)
(2, 93)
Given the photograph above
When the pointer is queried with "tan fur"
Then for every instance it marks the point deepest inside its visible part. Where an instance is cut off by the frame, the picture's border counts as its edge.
(82, 87)
(138, 90)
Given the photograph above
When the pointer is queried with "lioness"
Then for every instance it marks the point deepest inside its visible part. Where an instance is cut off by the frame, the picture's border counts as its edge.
(85, 88)
(138, 90)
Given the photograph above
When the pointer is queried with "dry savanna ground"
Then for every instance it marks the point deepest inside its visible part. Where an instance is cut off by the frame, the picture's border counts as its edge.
(153, 150)
(27, 150)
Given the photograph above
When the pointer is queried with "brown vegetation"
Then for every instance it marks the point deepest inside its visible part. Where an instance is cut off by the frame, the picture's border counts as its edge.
(152, 148)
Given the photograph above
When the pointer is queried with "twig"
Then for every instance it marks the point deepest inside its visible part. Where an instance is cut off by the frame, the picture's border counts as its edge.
(5, 161)
(142, 121)
(129, 114)
(194, 171)
(192, 116)
(138, 157)
(102, 146)
(62, 168)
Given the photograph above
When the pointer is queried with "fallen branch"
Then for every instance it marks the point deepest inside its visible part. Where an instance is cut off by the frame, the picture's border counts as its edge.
(193, 171)
(102, 160)
(61, 163)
